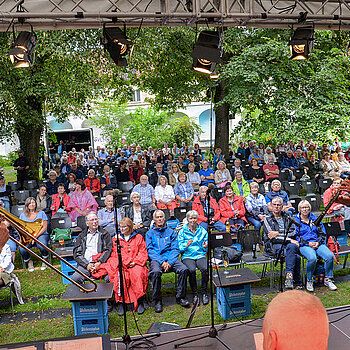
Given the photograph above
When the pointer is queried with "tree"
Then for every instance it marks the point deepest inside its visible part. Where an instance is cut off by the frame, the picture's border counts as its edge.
(144, 126)
(280, 99)
(70, 68)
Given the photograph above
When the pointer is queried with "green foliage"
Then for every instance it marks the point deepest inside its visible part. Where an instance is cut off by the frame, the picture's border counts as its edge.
(144, 126)
(282, 99)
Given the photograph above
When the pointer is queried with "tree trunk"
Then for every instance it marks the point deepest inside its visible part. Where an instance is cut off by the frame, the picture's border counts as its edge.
(29, 133)
(222, 119)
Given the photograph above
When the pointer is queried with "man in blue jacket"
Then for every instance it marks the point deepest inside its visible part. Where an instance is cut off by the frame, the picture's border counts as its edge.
(193, 243)
(289, 163)
(163, 250)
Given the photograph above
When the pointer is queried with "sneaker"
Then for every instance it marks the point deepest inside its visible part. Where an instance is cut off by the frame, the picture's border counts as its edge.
(30, 266)
(205, 299)
(183, 302)
(288, 284)
(158, 307)
(310, 286)
(43, 267)
(329, 283)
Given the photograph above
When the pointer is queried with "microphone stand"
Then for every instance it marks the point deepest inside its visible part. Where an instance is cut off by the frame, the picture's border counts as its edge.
(213, 332)
(281, 256)
(126, 339)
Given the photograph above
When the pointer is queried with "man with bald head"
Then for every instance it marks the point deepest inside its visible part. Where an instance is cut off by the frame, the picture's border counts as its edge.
(295, 320)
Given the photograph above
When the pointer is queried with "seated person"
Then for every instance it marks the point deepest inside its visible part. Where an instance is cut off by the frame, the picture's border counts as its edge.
(192, 161)
(256, 206)
(289, 163)
(61, 178)
(91, 241)
(342, 164)
(153, 178)
(184, 192)
(193, 243)
(74, 170)
(268, 153)
(80, 165)
(206, 174)
(255, 155)
(164, 194)
(277, 192)
(139, 214)
(200, 205)
(312, 167)
(70, 184)
(106, 215)
(122, 173)
(60, 201)
(274, 229)
(51, 185)
(6, 265)
(30, 214)
(299, 157)
(182, 164)
(81, 201)
(312, 151)
(337, 208)
(282, 328)
(92, 183)
(232, 209)
(193, 177)
(240, 186)
(271, 170)
(217, 158)
(91, 161)
(108, 182)
(312, 243)
(222, 175)
(135, 172)
(65, 167)
(146, 192)
(173, 174)
(330, 168)
(255, 173)
(163, 250)
(134, 257)
(5, 193)
(43, 200)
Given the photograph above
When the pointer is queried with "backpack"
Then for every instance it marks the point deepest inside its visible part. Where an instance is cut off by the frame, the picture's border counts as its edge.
(333, 246)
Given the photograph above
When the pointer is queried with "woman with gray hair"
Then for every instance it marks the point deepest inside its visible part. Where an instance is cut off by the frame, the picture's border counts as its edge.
(193, 243)
(139, 214)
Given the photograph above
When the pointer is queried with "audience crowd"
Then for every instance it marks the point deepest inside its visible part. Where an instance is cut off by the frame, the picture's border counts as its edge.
(246, 189)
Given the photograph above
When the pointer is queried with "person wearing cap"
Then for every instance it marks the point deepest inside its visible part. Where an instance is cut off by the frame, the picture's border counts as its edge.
(21, 164)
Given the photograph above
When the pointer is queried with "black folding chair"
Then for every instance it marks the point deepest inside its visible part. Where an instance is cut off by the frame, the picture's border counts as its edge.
(29, 184)
(101, 201)
(295, 202)
(180, 213)
(309, 186)
(123, 199)
(21, 196)
(17, 210)
(63, 222)
(81, 222)
(292, 188)
(125, 186)
(315, 201)
(284, 175)
(14, 185)
(324, 184)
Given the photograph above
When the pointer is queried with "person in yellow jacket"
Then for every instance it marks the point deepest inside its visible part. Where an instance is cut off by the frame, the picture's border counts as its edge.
(240, 186)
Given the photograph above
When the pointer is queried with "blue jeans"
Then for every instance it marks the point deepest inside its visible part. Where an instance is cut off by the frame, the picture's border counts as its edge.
(292, 259)
(44, 238)
(255, 222)
(218, 225)
(6, 202)
(12, 244)
(345, 174)
(311, 255)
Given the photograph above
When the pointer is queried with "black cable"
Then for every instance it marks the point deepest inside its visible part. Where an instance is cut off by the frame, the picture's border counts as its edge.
(139, 30)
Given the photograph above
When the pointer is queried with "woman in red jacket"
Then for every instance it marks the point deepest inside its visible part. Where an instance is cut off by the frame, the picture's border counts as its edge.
(92, 183)
(134, 256)
(200, 205)
(60, 200)
(232, 208)
(135, 172)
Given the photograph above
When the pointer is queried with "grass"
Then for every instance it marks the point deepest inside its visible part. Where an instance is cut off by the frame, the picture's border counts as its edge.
(42, 292)
(10, 174)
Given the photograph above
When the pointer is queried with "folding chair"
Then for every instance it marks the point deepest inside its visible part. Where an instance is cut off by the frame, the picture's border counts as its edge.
(29, 184)
(126, 186)
(292, 187)
(309, 186)
(14, 185)
(123, 199)
(180, 213)
(324, 184)
(315, 201)
(101, 201)
(295, 202)
(81, 222)
(17, 210)
(217, 193)
(63, 222)
(21, 196)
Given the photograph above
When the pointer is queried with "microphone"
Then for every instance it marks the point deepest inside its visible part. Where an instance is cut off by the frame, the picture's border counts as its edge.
(210, 188)
(292, 220)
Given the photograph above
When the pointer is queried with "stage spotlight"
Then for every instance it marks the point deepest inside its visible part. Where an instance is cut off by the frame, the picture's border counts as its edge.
(207, 51)
(117, 44)
(22, 52)
(301, 43)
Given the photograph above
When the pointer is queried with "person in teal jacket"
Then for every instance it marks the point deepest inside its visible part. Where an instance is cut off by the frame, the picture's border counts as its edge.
(239, 185)
(163, 250)
(193, 243)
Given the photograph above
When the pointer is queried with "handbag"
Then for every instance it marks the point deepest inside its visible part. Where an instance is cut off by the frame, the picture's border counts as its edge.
(59, 234)
(333, 246)
(234, 255)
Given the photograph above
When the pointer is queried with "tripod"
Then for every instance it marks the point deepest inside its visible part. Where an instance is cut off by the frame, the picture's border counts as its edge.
(213, 332)
(126, 339)
(281, 256)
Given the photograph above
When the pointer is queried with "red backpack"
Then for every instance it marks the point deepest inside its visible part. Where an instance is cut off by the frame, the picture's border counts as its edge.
(333, 246)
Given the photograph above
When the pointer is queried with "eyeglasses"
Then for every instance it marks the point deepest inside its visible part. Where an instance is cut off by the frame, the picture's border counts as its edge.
(277, 205)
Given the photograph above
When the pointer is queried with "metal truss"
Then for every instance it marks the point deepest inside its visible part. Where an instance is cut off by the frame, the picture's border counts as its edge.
(75, 14)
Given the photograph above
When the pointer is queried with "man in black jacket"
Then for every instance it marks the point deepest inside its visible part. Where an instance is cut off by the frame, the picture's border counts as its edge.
(91, 241)
(274, 230)
(153, 178)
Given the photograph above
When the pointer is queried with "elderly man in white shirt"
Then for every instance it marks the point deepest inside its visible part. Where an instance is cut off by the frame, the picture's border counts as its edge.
(6, 265)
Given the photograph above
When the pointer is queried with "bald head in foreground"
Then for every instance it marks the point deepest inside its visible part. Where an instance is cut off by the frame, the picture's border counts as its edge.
(295, 320)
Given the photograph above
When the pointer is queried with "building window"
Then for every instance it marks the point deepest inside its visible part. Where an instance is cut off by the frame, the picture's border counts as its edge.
(136, 97)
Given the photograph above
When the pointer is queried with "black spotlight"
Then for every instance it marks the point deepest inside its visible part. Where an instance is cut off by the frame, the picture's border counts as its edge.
(301, 43)
(117, 44)
(22, 52)
(207, 51)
